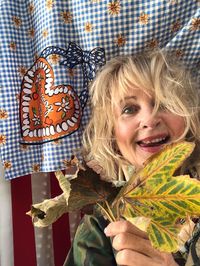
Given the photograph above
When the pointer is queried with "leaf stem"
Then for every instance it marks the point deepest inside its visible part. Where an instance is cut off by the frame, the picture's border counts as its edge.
(118, 209)
(108, 212)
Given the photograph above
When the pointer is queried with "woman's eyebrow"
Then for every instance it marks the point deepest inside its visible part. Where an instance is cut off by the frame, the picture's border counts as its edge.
(127, 98)
(133, 97)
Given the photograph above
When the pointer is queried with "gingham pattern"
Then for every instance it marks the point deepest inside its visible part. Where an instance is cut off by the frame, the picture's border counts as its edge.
(173, 24)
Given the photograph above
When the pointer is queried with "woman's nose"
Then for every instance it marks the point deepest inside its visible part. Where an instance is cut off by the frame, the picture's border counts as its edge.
(150, 121)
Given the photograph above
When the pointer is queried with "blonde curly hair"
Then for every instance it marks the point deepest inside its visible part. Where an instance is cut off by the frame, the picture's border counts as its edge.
(158, 74)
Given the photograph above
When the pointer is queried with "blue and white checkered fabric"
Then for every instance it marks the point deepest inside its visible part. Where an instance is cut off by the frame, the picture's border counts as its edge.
(66, 34)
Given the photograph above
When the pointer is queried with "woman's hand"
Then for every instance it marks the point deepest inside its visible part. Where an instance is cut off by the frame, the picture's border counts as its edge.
(134, 248)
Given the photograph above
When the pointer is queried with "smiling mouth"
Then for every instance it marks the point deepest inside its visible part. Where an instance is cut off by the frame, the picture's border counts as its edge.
(154, 142)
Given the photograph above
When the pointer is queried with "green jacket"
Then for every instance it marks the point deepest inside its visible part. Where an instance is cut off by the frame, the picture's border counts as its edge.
(92, 248)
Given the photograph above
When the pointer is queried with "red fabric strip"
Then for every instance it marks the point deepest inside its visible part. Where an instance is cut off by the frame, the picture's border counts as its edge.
(23, 231)
(61, 234)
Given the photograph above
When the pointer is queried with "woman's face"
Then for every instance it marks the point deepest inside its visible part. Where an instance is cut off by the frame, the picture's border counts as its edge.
(138, 133)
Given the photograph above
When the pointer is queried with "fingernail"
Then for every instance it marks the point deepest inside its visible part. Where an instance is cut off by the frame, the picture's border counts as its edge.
(106, 231)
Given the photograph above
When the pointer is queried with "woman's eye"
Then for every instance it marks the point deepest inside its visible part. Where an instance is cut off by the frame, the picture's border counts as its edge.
(130, 109)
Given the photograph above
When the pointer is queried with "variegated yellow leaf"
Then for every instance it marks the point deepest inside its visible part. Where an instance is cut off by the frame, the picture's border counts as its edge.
(141, 222)
(155, 194)
(164, 235)
(169, 237)
(163, 164)
(178, 197)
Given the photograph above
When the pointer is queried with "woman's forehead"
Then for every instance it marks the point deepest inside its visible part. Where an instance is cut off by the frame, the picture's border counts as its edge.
(132, 93)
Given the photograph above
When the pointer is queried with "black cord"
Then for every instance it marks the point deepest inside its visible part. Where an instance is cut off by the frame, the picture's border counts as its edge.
(195, 258)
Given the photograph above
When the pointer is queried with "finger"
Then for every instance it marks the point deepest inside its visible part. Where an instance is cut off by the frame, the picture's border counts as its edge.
(118, 227)
(131, 241)
(135, 243)
(129, 258)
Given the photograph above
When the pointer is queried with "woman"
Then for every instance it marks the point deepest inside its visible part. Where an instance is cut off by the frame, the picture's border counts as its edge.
(140, 103)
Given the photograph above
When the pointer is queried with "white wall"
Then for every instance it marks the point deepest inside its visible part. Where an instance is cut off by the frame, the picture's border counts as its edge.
(6, 230)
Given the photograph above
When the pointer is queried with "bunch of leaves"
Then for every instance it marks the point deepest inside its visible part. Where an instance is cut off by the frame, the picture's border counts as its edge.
(163, 201)
(82, 190)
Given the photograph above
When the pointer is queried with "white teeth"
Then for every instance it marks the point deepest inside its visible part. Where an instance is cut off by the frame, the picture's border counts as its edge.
(153, 140)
